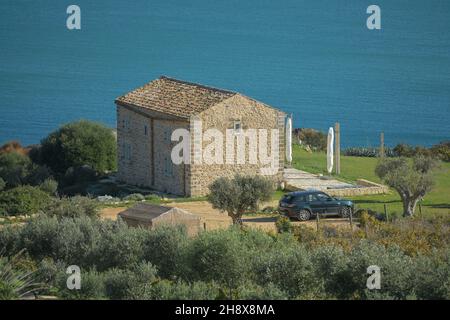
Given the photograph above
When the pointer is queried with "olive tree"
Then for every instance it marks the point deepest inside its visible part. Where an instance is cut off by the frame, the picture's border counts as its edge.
(411, 179)
(239, 195)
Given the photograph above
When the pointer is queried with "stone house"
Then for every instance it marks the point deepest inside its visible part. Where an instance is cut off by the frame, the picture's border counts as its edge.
(147, 117)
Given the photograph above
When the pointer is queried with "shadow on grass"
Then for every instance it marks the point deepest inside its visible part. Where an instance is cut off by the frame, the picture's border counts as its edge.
(260, 219)
(438, 206)
(376, 201)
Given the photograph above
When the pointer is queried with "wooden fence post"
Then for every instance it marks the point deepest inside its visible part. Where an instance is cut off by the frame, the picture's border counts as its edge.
(317, 220)
(351, 220)
(382, 145)
(337, 149)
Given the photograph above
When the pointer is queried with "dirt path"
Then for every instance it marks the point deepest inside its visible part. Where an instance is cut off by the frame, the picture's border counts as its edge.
(214, 219)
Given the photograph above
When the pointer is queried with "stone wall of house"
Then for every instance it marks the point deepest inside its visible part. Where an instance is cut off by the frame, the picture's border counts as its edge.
(252, 115)
(133, 147)
(135, 130)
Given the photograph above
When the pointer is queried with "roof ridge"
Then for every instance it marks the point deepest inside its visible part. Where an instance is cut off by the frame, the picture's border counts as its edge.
(197, 85)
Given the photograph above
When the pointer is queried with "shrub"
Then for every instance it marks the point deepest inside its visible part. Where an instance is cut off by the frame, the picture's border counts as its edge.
(2, 184)
(77, 144)
(92, 286)
(432, 277)
(442, 151)
(120, 246)
(38, 175)
(404, 150)
(23, 200)
(73, 207)
(252, 291)
(283, 224)
(134, 197)
(219, 256)
(395, 267)
(78, 175)
(317, 140)
(368, 152)
(175, 290)
(14, 168)
(120, 283)
(330, 262)
(50, 186)
(290, 268)
(13, 146)
(17, 169)
(165, 248)
(15, 281)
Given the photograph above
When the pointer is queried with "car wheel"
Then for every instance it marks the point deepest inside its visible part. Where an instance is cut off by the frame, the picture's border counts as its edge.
(303, 215)
(345, 212)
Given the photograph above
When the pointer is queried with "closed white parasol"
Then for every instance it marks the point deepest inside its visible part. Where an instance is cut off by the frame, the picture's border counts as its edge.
(330, 145)
(289, 140)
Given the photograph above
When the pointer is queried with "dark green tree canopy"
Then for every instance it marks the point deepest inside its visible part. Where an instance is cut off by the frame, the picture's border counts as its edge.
(77, 144)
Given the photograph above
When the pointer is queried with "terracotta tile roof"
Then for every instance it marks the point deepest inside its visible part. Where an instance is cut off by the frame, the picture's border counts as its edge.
(174, 97)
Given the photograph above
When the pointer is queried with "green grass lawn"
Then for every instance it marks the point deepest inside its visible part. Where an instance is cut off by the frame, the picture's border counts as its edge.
(352, 168)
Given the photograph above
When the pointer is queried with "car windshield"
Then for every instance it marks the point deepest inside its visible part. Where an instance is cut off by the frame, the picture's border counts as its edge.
(287, 198)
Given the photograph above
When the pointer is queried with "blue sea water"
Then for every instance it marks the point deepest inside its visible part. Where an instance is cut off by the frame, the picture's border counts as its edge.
(314, 59)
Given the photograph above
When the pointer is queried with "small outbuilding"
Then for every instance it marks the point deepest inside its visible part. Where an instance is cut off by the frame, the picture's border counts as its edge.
(148, 215)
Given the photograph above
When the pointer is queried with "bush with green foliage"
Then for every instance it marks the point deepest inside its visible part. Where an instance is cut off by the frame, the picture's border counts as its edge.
(77, 144)
(73, 207)
(23, 200)
(50, 186)
(239, 195)
(14, 168)
(119, 262)
(134, 197)
(315, 139)
(368, 152)
(165, 248)
(283, 224)
(440, 151)
(2, 184)
(15, 281)
(17, 169)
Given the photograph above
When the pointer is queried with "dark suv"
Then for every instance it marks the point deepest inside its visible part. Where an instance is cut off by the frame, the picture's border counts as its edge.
(306, 204)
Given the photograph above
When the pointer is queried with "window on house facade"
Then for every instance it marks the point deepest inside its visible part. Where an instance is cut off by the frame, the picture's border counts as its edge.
(126, 151)
(167, 136)
(126, 123)
(237, 126)
(168, 166)
(145, 129)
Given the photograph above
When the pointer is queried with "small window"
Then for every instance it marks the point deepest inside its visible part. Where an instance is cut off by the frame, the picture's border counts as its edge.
(322, 197)
(168, 167)
(145, 129)
(126, 151)
(167, 136)
(237, 126)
